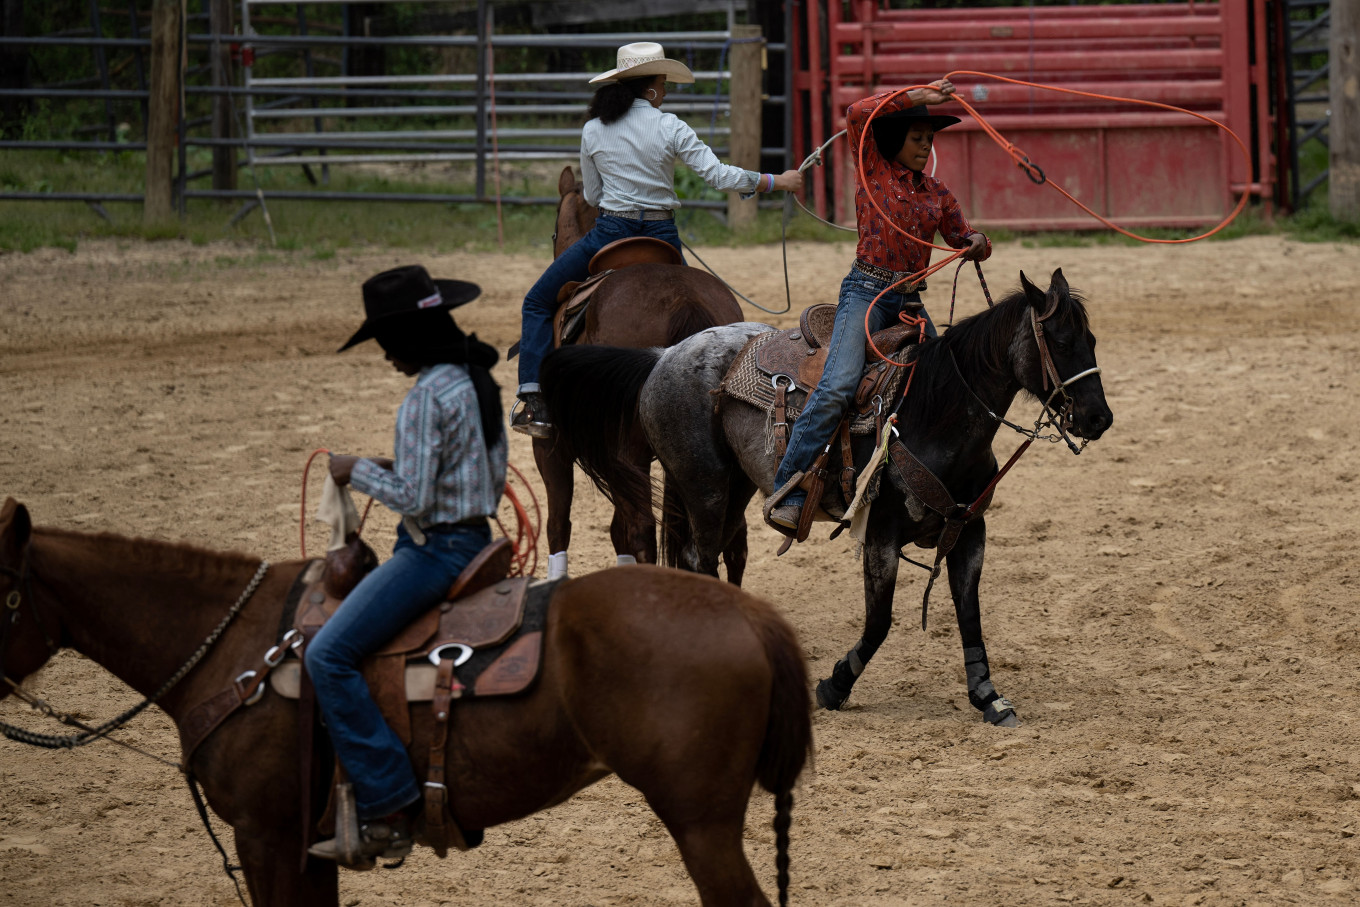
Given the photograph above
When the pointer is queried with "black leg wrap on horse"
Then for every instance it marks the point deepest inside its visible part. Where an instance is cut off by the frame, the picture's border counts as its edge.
(981, 693)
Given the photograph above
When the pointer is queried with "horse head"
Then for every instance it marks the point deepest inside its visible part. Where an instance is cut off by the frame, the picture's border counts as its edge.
(26, 643)
(574, 216)
(1059, 367)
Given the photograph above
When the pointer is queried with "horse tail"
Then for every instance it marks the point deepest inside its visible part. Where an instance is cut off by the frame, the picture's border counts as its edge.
(688, 320)
(787, 747)
(675, 529)
(592, 395)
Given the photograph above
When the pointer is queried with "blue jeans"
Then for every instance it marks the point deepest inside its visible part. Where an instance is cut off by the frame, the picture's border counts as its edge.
(415, 579)
(536, 335)
(844, 367)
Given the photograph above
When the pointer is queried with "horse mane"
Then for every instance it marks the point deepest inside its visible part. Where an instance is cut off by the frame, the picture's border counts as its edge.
(178, 559)
(980, 344)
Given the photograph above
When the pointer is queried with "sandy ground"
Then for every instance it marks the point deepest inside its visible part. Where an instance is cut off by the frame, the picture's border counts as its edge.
(1173, 613)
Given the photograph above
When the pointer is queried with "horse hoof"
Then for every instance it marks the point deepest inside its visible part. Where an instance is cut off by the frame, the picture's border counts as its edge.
(1001, 713)
(828, 698)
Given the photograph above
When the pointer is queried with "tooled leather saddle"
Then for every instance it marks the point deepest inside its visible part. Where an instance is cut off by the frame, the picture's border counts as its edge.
(574, 297)
(776, 371)
(484, 640)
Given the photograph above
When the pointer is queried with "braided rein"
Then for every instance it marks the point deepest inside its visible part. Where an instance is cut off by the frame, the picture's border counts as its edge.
(90, 734)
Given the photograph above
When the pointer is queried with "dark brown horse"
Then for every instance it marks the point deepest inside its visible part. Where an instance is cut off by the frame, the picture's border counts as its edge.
(687, 688)
(644, 305)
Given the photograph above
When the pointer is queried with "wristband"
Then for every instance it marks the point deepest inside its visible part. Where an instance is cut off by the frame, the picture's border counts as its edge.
(771, 186)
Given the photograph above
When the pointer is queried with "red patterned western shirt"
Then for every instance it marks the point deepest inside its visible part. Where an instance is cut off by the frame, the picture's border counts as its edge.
(917, 203)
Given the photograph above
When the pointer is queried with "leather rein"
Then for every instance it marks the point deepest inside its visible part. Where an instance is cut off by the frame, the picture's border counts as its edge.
(14, 600)
(932, 492)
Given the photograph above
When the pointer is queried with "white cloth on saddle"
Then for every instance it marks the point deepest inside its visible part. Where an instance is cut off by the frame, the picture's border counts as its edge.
(858, 511)
(336, 509)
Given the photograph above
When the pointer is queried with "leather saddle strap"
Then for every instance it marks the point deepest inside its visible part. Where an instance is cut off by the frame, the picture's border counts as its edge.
(813, 483)
(943, 545)
(438, 831)
(306, 710)
(922, 482)
(781, 420)
(847, 463)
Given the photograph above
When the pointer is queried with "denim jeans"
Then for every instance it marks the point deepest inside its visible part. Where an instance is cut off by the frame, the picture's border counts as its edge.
(415, 579)
(844, 366)
(536, 336)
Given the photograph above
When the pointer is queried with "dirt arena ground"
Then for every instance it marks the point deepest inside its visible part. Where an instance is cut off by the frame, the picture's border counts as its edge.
(1174, 612)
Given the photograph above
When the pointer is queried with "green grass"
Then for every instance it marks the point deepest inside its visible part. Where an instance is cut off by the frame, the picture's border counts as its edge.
(320, 228)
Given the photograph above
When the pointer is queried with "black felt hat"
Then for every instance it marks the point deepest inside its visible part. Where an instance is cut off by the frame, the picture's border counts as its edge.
(890, 129)
(390, 298)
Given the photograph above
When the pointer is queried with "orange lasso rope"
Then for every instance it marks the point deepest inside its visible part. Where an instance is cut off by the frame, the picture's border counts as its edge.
(1022, 160)
(524, 543)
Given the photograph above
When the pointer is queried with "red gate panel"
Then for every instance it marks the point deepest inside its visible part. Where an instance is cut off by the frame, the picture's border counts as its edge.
(1136, 165)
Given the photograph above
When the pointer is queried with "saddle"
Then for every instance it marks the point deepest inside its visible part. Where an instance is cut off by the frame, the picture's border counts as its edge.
(484, 640)
(575, 295)
(776, 371)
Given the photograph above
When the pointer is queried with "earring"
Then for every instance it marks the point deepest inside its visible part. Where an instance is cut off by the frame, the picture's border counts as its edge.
(651, 93)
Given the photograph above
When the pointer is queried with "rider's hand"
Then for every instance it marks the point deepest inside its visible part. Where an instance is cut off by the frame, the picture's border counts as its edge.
(788, 181)
(341, 467)
(977, 248)
(937, 93)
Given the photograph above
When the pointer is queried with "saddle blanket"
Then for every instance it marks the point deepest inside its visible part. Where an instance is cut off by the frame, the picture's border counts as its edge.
(747, 382)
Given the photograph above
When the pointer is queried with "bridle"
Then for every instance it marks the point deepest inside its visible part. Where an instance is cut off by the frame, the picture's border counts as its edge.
(13, 602)
(1059, 418)
(9, 618)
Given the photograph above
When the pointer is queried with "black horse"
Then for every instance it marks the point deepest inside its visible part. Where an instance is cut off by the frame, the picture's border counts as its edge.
(714, 458)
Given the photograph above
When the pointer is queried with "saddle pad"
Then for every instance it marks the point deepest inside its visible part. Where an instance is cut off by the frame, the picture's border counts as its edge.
(748, 382)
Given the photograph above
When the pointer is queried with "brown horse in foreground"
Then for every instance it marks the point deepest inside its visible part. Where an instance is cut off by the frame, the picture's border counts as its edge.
(644, 305)
(687, 688)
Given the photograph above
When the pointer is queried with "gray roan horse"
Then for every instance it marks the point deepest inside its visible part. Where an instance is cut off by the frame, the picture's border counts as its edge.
(715, 457)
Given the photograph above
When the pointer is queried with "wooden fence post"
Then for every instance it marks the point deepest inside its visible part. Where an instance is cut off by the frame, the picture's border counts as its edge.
(744, 88)
(1343, 192)
(163, 112)
(223, 105)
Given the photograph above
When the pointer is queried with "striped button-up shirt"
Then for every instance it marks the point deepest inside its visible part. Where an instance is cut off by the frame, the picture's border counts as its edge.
(442, 470)
(630, 164)
(919, 204)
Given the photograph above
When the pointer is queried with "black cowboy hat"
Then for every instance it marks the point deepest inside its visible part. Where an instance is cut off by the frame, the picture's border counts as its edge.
(393, 296)
(890, 129)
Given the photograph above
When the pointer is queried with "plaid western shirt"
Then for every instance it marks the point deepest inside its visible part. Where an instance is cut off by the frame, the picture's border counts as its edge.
(443, 472)
(919, 204)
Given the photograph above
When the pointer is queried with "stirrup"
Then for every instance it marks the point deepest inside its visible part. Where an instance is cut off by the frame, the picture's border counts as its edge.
(522, 420)
(777, 498)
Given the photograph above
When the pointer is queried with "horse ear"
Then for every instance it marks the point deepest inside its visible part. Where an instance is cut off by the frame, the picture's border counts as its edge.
(566, 183)
(1032, 293)
(1058, 283)
(14, 520)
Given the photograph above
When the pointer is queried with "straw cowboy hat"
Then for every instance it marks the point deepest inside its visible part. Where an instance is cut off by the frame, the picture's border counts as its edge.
(645, 58)
(393, 297)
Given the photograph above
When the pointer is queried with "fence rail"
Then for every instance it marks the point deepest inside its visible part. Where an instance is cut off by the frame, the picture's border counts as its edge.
(348, 115)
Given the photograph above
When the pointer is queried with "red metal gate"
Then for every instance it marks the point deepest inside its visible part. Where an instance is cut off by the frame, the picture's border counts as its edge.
(1136, 165)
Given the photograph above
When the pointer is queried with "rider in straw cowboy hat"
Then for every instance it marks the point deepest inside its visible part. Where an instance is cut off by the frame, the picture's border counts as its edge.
(894, 164)
(629, 149)
(445, 481)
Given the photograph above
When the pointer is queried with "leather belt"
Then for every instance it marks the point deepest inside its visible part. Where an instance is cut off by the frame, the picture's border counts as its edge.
(470, 523)
(887, 276)
(643, 214)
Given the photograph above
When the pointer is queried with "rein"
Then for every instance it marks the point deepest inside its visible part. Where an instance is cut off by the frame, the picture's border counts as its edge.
(90, 734)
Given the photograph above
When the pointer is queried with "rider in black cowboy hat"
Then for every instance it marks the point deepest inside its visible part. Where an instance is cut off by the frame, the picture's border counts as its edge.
(445, 479)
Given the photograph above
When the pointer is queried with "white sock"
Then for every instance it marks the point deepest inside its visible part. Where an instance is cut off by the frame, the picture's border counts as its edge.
(557, 565)
(625, 560)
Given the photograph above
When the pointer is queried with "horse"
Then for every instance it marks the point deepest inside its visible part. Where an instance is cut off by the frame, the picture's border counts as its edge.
(643, 305)
(710, 699)
(714, 454)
